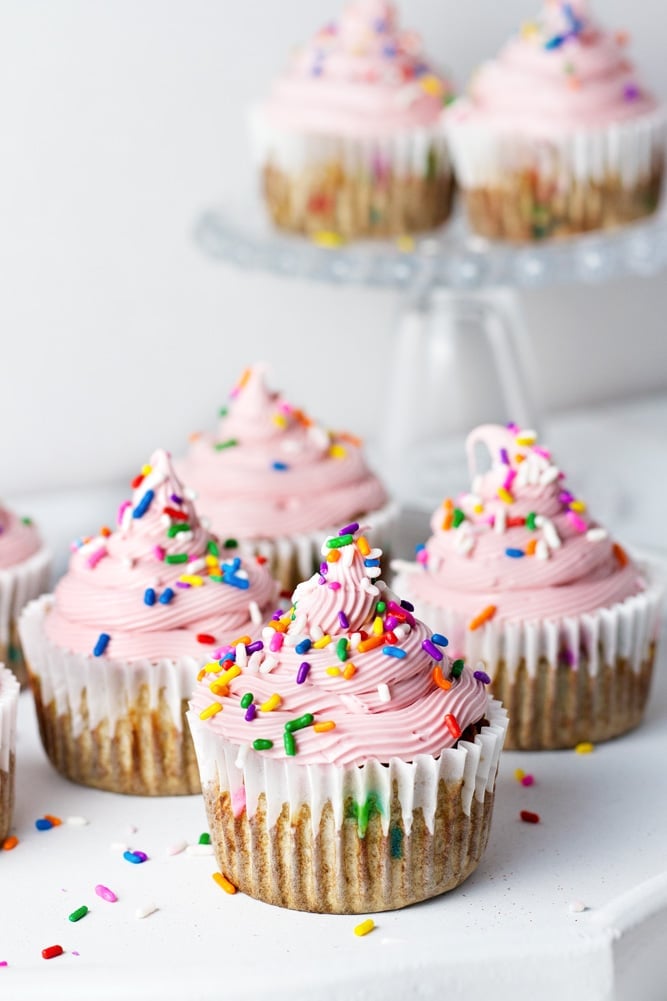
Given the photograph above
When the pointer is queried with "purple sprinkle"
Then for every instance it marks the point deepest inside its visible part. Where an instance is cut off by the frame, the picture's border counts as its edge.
(483, 677)
(278, 614)
(250, 712)
(390, 622)
(324, 568)
(504, 457)
(567, 657)
(302, 673)
(631, 92)
(334, 585)
(565, 497)
(183, 584)
(175, 499)
(389, 51)
(254, 646)
(511, 426)
(350, 529)
(432, 650)
(407, 605)
(141, 855)
(342, 618)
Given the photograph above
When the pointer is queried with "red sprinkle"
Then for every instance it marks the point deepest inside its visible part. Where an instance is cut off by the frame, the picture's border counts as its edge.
(452, 725)
(391, 638)
(529, 818)
(261, 560)
(52, 951)
(174, 513)
(137, 481)
(205, 638)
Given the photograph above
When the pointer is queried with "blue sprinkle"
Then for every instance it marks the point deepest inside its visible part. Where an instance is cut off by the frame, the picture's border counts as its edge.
(407, 605)
(279, 466)
(239, 582)
(555, 42)
(303, 646)
(394, 651)
(149, 596)
(134, 857)
(101, 645)
(420, 546)
(143, 505)
(231, 655)
(43, 824)
(440, 639)
(483, 677)
(516, 554)
(371, 563)
(166, 596)
(231, 566)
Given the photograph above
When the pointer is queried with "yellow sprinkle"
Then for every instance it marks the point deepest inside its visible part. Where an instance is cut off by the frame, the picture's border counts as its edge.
(326, 724)
(213, 667)
(322, 642)
(211, 560)
(337, 452)
(211, 710)
(432, 85)
(364, 927)
(405, 243)
(529, 29)
(378, 626)
(271, 703)
(327, 238)
(579, 506)
(349, 671)
(242, 639)
(218, 689)
(280, 420)
(224, 882)
(505, 495)
(193, 579)
(362, 545)
(333, 671)
(527, 438)
(229, 675)
(519, 774)
(478, 509)
(585, 747)
(146, 470)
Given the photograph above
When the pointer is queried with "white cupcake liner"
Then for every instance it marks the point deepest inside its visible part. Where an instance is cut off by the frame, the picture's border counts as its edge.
(405, 153)
(87, 705)
(9, 697)
(294, 558)
(19, 584)
(484, 156)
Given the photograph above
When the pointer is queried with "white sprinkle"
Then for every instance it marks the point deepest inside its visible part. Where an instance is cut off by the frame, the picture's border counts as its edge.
(402, 630)
(190, 494)
(542, 550)
(521, 478)
(242, 574)
(500, 521)
(254, 612)
(464, 544)
(205, 523)
(373, 572)
(177, 848)
(534, 471)
(267, 633)
(77, 821)
(577, 906)
(268, 665)
(127, 562)
(374, 554)
(369, 588)
(596, 534)
(550, 474)
(126, 520)
(528, 437)
(165, 520)
(551, 536)
(119, 846)
(319, 435)
(316, 632)
(185, 536)
(355, 640)
(196, 565)
(145, 911)
(384, 694)
(241, 655)
(254, 660)
(199, 850)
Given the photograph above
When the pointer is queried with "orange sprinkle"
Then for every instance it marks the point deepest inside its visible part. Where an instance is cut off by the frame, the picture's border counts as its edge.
(223, 882)
(484, 616)
(194, 436)
(12, 841)
(369, 644)
(56, 821)
(448, 505)
(349, 672)
(620, 554)
(362, 545)
(105, 531)
(351, 439)
(333, 556)
(218, 688)
(530, 547)
(519, 457)
(242, 639)
(201, 674)
(439, 680)
(326, 724)
(278, 625)
(244, 378)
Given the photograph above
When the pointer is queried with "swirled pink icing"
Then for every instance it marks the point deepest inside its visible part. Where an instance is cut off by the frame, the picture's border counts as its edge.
(359, 74)
(563, 72)
(19, 539)
(520, 543)
(373, 670)
(270, 471)
(129, 585)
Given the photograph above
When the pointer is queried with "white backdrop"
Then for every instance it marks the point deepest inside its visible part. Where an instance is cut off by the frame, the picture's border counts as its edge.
(119, 121)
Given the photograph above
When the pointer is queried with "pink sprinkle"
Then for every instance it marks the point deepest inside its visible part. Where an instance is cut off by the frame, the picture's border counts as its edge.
(334, 585)
(238, 801)
(544, 452)
(95, 557)
(105, 893)
(528, 780)
(422, 556)
(276, 642)
(220, 652)
(3, 962)
(509, 479)
(158, 553)
(121, 511)
(578, 522)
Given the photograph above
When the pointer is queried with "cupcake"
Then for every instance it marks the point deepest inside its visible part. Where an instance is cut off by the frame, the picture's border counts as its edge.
(9, 697)
(524, 581)
(350, 140)
(276, 481)
(558, 135)
(114, 653)
(347, 765)
(25, 569)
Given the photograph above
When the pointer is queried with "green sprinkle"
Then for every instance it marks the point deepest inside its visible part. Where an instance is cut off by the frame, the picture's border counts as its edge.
(231, 544)
(299, 724)
(396, 842)
(205, 838)
(26, 521)
(457, 668)
(222, 412)
(79, 913)
(14, 653)
(212, 548)
(176, 558)
(174, 530)
(448, 99)
(220, 445)
(530, 520)
(262, 745)
(381, 607)
(290, 743)
(246, 700)
(339, 541)
(457, 517)
(341, 648)
(362, 812)
(218, 578)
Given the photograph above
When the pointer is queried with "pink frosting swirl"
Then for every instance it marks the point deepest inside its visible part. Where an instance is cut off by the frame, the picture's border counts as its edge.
(19, 539)
(362, 72)
(521, 543)
(349, 653)
(561, 74)
(160, 585)
(270, 471)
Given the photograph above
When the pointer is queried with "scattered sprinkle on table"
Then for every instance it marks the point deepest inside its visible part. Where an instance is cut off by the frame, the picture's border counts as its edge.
(527, 780)
(105, 893)
(199, 850)
(145, 911)
(585, 747)
(42, 824)
(77, 821)
(177, 848)
(529, 818)
(79, 913)
(136, 858)
(223, 882)
(577, 907)
(365, 927)
(52, 951)
(10, 843)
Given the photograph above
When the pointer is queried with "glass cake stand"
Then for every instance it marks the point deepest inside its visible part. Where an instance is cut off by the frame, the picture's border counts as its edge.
(461, 353)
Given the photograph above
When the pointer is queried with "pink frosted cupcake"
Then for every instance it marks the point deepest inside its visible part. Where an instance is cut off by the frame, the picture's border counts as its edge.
(350, 142)
(523, 580)
(114, 653)
(558, 135)
(9, 697)
(25, 570)
(348, 765)
(276, 481)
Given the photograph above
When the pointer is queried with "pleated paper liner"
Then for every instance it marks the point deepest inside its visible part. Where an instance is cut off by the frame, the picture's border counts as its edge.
(19, 584)
(9, 696)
